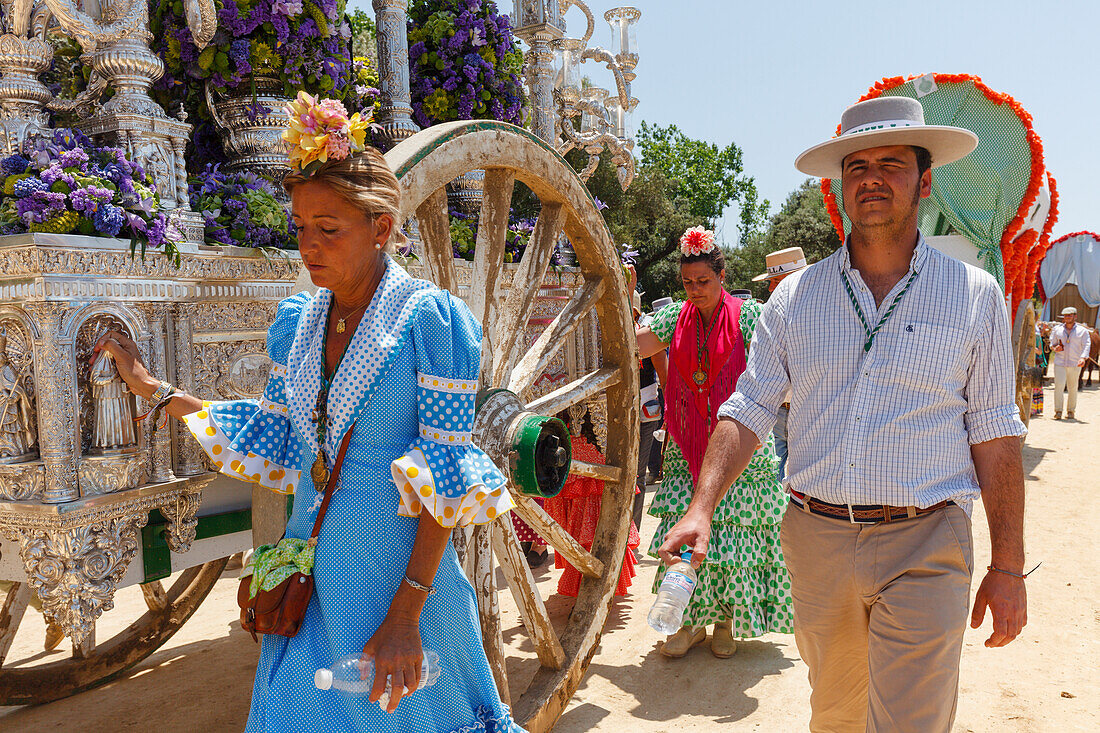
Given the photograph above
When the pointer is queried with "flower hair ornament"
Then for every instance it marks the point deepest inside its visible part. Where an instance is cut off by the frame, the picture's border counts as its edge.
(321, 130)
(696, 241)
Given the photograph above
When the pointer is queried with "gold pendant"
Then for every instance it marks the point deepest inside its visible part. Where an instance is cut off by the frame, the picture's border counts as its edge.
(340, 328)
(700, 377)
(319, 472)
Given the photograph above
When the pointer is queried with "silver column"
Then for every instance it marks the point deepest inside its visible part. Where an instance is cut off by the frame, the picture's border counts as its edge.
(393, 70)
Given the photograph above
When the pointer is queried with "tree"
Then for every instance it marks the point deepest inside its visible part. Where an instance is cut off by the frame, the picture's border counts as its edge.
(680, 183)
(708, 177)
(802, 221)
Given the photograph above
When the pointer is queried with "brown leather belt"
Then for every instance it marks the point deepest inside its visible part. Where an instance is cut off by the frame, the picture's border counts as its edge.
(864, 513)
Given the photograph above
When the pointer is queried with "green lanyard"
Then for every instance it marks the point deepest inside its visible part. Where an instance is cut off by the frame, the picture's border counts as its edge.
(889, 311)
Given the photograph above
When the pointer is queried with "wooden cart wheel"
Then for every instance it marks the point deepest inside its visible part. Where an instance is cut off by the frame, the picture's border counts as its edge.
(94, 664)
(1023, 350)
(424, 164)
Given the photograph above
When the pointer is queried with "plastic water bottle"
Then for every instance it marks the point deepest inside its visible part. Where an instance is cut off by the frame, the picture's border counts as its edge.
(353, 676)
(679, 582)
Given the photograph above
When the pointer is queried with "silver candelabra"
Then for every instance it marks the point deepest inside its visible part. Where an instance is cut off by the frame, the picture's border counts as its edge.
(559, 97)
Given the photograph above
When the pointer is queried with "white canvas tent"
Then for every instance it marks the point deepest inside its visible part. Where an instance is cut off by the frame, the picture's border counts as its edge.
(1071, 276)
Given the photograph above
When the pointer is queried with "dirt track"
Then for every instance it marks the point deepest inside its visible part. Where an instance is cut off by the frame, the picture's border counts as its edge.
(1045, 681)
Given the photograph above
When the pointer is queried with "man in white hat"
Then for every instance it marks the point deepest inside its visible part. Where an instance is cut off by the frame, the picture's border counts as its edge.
(778, 266)
(899, 366)
(1070, 344)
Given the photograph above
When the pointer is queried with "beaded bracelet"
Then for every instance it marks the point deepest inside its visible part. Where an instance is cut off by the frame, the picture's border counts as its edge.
(1021, 576)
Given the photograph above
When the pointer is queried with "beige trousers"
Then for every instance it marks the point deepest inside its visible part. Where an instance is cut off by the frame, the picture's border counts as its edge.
(879, 614)
(1065, 378)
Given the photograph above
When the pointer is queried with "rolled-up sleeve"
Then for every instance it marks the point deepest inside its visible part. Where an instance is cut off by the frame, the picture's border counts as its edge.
(991, 389)
(766, 381)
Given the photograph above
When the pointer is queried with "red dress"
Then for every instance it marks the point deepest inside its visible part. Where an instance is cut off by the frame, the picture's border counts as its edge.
(577, 509)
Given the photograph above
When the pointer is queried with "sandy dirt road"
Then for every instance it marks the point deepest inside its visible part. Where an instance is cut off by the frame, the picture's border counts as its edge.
(1047, 680)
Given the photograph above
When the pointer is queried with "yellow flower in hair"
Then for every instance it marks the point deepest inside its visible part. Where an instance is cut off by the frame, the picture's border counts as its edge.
(321, 130)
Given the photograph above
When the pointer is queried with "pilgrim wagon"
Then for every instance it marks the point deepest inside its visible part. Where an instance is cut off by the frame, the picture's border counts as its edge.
(78, 522)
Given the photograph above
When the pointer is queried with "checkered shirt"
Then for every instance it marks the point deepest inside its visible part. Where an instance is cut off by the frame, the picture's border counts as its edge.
(892, 425)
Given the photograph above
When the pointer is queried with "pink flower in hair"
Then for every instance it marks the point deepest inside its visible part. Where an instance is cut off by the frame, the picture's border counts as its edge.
(337, 146)
(697, 241)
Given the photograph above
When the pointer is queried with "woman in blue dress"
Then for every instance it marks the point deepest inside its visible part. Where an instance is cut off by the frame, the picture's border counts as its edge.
(395, 360)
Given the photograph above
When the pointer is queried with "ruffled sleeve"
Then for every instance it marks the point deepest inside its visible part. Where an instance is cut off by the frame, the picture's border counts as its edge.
(253, 440)
(443, 471)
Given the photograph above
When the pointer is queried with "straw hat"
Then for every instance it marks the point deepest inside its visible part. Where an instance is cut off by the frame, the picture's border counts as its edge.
(885, 121)
(661, 303)
(783, 262)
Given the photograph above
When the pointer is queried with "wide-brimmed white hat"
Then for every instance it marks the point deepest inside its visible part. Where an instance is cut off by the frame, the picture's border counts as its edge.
(783, 262)
(1069, 310)
(885, 121)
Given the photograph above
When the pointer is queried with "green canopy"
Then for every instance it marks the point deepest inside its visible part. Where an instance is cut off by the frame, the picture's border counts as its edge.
(980, 195)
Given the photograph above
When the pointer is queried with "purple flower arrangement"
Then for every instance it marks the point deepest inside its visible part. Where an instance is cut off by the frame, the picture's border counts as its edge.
(464, 236)
(62, 183)
(301, 44)
(240, 209)
(464, 63)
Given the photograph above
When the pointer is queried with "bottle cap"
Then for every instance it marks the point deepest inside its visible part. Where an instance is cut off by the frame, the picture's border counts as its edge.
(322, 679)
(686, 555)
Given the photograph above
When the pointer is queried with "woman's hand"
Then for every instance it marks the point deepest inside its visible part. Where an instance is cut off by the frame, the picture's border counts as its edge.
(128, 362)
(397, 654)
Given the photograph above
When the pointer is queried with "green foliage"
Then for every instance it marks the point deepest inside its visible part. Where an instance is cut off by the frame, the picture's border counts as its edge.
(710, 178)
(802, 221)
(680, 183)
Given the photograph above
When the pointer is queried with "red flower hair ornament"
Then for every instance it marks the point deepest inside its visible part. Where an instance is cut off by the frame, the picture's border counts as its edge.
(696, 241)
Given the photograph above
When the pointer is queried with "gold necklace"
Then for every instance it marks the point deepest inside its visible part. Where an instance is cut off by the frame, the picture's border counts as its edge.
(340, 325)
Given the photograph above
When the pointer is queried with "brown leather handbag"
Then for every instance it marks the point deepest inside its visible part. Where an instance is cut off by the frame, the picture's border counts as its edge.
(280, 610)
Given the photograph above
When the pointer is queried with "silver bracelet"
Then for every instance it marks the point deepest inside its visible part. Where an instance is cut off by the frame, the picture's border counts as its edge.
(419, 586)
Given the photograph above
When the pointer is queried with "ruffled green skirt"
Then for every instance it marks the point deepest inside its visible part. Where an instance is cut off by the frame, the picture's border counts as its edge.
(743, 578)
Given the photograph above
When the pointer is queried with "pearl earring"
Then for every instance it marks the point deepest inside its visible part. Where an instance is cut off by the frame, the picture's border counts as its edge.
(378, 245)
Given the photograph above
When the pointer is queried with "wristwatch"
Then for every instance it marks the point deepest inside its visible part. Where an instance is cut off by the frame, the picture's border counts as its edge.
(163, 391)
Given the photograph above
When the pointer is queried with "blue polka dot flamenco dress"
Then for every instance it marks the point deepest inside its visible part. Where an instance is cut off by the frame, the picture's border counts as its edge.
(407, 383)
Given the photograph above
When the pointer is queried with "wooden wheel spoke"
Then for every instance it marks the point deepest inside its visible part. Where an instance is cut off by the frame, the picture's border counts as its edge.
(492, 230)
(555, 535)
(11, 614)
(525, 285)
(155, 596)
(553, 338)
(488, 606)
(435, 230)
(596, 471)
(576, 391)
(526, 594)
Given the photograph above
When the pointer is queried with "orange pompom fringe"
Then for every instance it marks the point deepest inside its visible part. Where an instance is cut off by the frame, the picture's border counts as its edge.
(1014, 255)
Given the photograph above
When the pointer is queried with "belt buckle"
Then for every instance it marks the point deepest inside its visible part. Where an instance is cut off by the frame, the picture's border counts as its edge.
(853, 520)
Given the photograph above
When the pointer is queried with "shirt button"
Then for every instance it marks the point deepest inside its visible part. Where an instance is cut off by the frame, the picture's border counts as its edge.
(858, 419)
(851, 465)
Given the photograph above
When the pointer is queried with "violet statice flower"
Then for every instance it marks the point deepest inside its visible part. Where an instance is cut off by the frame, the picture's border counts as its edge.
(600, 205)
(75, 158)
(89, 198)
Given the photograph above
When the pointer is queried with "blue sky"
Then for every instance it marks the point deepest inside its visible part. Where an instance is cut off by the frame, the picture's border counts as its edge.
(774, 76)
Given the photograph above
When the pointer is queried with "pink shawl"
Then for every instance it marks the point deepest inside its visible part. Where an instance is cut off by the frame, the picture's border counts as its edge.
(691, 410)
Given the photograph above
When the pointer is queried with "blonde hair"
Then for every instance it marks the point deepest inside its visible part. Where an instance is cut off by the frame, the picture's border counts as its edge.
(365, 181)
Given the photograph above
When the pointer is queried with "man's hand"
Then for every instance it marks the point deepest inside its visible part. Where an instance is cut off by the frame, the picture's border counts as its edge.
(694, 531)
(1006, 598)
(1081, 363)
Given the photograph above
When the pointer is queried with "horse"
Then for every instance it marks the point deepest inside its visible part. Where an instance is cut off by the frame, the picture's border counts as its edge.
(1092, 361)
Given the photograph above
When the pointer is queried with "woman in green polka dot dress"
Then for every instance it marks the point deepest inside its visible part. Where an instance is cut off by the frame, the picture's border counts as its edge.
(744, 589)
